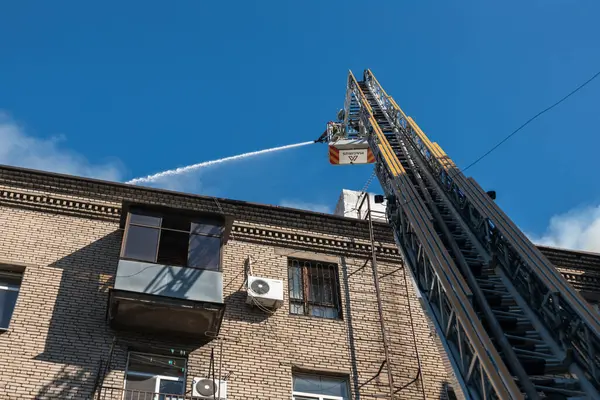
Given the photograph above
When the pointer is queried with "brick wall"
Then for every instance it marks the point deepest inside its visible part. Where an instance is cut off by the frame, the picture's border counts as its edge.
(58, 334)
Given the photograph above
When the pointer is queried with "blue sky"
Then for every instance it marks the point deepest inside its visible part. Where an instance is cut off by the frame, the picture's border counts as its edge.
(124, 89)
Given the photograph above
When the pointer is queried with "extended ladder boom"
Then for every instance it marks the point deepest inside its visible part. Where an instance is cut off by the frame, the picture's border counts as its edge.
(512, 326)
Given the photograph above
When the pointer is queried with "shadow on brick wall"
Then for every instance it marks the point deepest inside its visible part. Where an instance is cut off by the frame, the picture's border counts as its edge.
(79, 337)
(238, 310)
(78, 334)
(67, 385)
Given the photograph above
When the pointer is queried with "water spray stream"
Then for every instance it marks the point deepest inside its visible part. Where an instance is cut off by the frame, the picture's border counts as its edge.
(189, 168)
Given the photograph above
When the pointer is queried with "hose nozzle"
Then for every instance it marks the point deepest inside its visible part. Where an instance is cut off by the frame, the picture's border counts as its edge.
(322, 138)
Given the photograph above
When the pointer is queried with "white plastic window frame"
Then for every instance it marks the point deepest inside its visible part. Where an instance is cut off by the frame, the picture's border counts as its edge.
(159, 378)
(313, 396)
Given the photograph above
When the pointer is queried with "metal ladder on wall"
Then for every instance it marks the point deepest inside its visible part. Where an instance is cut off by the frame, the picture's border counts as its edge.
(510, 323)
(395, 377)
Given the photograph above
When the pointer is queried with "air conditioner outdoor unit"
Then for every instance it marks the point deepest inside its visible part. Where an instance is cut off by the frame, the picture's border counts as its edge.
(266, 292)
(206, 388)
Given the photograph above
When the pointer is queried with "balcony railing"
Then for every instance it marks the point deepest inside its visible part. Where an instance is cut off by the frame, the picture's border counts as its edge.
(115, 393)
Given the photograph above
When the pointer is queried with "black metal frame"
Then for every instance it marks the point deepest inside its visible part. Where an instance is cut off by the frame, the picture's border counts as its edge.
(160, 212)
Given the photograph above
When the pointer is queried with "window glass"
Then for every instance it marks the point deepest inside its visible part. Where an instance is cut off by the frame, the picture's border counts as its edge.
(321, 292)
(141, 243)
(173, 248)
(297, 308)
(156, 365)
(170, 387)
(174, 239)
(140, 219)
(207, 227)
(10, 280)
(323, 312)
(321, 385)
(204, 252)
(139, 386)
(9, 291)
(295, 281)
(148, 374)
(321, 285)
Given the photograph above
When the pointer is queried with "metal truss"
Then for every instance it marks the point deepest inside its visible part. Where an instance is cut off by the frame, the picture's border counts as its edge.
(512, 326)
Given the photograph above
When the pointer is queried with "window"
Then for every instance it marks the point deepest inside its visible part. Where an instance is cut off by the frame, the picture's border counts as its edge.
(154, 377)
(10, 284)
(320, 387)
(173, 240)
(314, 289)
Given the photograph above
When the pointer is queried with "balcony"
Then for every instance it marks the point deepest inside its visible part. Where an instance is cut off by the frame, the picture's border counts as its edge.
(169, 279)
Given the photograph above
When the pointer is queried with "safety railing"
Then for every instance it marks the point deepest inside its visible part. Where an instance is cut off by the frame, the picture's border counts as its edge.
(115, 393)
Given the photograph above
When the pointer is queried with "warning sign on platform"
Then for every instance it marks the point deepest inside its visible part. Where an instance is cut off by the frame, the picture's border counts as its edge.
(350, 156)
(353, 156)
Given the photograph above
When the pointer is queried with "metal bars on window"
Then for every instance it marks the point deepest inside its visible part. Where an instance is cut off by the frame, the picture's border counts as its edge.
(314, 288)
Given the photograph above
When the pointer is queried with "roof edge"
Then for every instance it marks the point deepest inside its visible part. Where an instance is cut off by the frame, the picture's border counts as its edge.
(121, 185)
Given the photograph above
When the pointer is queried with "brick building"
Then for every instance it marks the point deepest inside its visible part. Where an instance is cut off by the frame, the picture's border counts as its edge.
(112, 291)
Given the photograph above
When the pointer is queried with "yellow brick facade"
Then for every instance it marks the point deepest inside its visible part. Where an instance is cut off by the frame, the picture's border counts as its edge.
(58, 337)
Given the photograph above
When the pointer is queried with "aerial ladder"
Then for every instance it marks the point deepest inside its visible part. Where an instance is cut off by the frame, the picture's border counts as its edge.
(513, 328)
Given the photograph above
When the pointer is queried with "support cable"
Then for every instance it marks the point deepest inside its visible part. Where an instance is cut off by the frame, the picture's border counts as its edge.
(223, 212)
(500, 143)
(363, 192)
(368, 183)
(504, 140)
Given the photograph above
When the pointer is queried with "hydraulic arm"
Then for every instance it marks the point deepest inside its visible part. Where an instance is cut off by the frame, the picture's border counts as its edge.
(512, 326)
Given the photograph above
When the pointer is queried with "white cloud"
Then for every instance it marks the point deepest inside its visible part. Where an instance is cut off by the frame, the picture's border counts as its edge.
(577, 229)
(18, 148)
(188, 183)
(322, 208)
